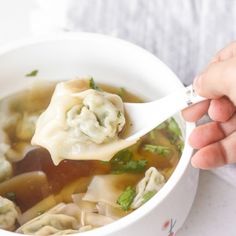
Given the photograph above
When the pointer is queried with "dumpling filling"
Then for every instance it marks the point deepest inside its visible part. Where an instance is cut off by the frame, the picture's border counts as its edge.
(96, 120)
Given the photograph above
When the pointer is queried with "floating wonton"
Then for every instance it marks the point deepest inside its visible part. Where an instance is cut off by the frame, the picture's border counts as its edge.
(19, 113)
(60, 220)
(82, 204)
(152, 182)
(81, 123)
(8, 214)
(112, 186)
(64, 219)
(48, 224)
(95, 219)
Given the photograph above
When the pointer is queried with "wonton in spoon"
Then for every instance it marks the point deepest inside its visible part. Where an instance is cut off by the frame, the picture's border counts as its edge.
(81, 123)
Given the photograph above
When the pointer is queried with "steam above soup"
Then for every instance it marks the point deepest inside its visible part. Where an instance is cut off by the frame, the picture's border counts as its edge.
(38, 197)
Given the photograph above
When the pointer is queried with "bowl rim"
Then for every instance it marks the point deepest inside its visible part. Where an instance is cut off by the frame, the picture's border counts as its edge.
(186, 154)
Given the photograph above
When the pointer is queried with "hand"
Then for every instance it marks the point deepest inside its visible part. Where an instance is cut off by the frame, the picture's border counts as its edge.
(215, 140)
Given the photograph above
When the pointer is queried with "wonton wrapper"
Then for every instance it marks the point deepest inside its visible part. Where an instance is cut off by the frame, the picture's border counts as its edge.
(82, 204)
(47, 224)
(152, 181)
(61, 219)
(94, 219)
(107, 188)
(8, 214)
(60, 134)
(19, 113)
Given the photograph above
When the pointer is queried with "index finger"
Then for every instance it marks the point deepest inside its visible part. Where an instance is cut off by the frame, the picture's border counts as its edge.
(218, 80)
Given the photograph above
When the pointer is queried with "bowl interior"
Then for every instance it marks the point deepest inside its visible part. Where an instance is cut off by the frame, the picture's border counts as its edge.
(108, 60)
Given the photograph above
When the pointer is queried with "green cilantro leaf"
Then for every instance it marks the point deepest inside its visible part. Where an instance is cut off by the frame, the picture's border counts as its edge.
(32, 73)
(126, 198)
(121, 92)
(40, 213)
(162, 150)
(180, 146)
(122, 156)
(148, 195)
(173, 127)
(122, 162)
(119, 114)
(93, 85)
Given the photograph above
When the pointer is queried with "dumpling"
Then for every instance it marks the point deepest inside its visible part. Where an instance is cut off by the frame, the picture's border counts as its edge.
(26, 126)
(100, 208)
(85, 228)
(17, 123)
(80, 122)
(112, 186)
(5, 169)
(5, 166)
(52, 223)
(94, 219)
(62, 219)
(49, 230)
(8, 214)
(152, 182)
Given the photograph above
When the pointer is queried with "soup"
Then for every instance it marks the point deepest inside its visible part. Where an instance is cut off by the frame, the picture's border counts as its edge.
(38, 197)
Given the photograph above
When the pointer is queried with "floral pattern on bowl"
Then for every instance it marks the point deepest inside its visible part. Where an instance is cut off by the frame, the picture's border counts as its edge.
(169, 225)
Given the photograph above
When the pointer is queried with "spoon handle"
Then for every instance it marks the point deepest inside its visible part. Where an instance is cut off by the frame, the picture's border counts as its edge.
(191, 96)
(146, 116)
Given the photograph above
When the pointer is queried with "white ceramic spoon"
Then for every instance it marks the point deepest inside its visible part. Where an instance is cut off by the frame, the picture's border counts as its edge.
(146, 116)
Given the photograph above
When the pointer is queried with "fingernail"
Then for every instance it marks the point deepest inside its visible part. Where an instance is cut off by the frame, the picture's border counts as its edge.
(194, 164)
(197, 82)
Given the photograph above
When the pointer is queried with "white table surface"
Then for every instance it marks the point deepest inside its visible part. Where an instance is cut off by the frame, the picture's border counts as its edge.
(214, 209)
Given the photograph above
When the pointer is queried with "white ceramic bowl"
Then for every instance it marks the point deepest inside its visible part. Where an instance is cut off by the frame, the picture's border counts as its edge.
(119, 63)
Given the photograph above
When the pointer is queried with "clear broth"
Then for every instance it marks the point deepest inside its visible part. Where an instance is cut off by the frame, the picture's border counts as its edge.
(69, 171)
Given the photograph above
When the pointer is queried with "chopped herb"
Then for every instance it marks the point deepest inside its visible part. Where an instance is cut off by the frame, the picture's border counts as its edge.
(118, 114)
(40, 213)
(173, 127)
(134, 166)
(104, 162)
(121, 92)
(11, 196)
(93, 85)
(162, 126)
(162, 150)
(122, 156)
(126, 198)
(174, 134)
(122, 162)
(148, 195)
(180, 146)
(32, 73)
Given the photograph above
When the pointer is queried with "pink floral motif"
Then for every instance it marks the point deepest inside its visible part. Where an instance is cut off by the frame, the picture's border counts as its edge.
(166, 225)
(169, 225)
